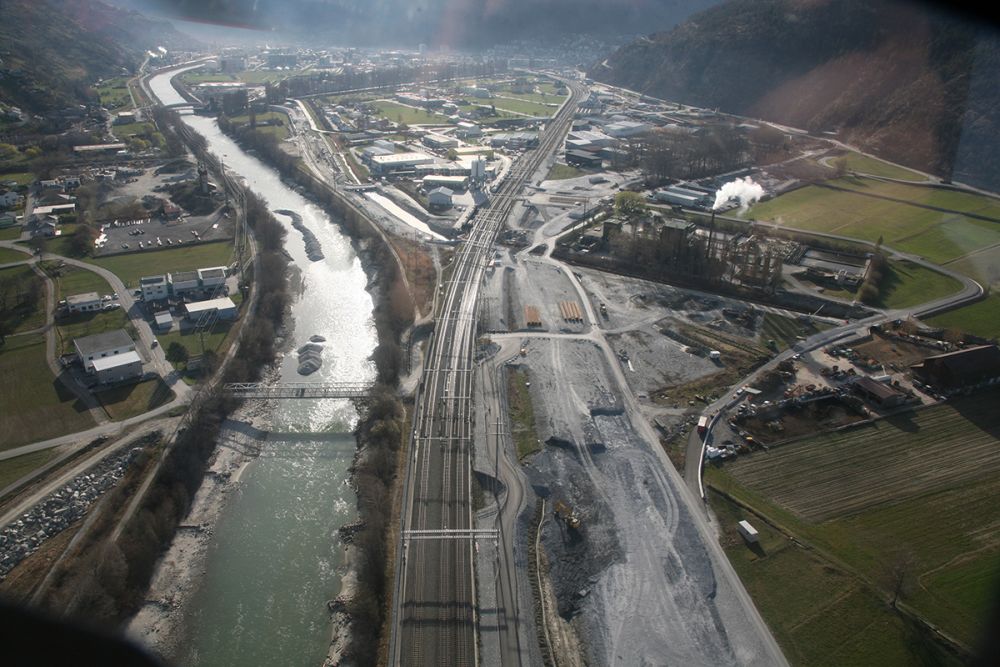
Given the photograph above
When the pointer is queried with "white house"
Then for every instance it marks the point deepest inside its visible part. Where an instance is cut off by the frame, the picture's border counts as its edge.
(111, 356)
(83, 303)
(154, 288)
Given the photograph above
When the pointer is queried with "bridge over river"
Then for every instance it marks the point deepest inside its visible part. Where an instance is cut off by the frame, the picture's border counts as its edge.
(291, 390)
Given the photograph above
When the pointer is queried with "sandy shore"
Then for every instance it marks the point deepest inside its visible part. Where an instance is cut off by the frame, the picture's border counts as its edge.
(159, 622)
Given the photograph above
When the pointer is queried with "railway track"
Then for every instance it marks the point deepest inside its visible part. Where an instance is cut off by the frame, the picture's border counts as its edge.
(435, 615)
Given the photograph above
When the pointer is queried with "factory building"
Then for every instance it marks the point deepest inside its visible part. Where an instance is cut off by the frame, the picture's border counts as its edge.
(389, 164)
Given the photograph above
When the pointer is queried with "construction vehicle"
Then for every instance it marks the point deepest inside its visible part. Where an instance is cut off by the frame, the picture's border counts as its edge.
(564, 512)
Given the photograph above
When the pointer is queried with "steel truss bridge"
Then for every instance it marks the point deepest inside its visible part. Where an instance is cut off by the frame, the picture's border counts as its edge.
(257, 390)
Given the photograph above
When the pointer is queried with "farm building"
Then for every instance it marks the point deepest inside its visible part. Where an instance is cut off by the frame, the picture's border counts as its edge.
(83, 303)
(962, 368)
(878, 392)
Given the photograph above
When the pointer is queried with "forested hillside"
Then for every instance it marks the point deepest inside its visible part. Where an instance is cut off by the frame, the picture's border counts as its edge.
(51, 51)
(909, 83)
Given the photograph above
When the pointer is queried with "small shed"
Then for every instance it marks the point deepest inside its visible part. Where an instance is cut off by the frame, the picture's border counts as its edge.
(440, 197)
(748, 532)
(164, 320)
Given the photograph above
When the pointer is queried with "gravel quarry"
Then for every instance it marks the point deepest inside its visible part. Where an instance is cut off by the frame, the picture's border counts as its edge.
(636, 578)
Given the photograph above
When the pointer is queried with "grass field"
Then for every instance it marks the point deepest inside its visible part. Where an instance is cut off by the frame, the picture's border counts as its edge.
(14, 469)
(35, 406)
(10, 233)
(920, 484)
(114, 94)
(71, 327)
(134, 399)
(983, 265)
(562, 171)
(192, 342)
(906, 284)
(130, 129)
(281, 130)
(19, 177)
(938, 236)
(981, 318)
(29, 315)
(819, 614)
(7, 256)
(133, 266)
(74, 280)
(403, 114)
(869, 165)
(522, 414)
(523, 106)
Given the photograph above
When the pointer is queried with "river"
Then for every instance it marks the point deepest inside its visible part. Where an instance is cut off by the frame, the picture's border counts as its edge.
(274, 560)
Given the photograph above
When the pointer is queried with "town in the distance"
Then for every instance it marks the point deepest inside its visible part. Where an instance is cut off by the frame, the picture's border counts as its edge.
(420, 356)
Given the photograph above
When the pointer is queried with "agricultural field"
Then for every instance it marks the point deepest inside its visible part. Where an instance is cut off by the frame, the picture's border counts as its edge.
(523, 106)
(35, 406)
(917, 487)
(980, 319)
(130, 267)
(875, 167)
(938, 236)
(819, 614)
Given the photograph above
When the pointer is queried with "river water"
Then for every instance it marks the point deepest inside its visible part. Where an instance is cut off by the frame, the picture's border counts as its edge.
(274, 560)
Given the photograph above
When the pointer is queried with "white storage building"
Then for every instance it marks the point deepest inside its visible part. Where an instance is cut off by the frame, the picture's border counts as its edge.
(83, 303)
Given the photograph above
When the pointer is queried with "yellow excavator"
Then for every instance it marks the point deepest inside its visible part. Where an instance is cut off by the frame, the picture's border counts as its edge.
(564, 512)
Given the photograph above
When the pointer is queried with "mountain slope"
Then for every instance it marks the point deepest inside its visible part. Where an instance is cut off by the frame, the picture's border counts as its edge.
(52, 50)
(897, 79)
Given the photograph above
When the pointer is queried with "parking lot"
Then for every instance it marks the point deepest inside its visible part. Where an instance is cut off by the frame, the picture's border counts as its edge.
(157, 233)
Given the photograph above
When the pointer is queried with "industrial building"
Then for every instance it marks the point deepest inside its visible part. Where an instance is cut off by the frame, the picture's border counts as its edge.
(516, 140)
(439, 141)
(390, 164)
(183, 282)
(580, 158)
(681, 196)
(467, 130)
(110, 356)
(452, 182)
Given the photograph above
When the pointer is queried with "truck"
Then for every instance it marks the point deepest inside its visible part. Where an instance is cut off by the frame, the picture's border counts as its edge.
(702, 424)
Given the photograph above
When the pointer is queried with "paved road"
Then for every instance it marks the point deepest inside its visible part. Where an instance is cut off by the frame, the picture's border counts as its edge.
(435, 617)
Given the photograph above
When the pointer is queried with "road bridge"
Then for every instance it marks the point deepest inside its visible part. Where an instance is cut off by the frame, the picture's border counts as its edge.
(289, 390)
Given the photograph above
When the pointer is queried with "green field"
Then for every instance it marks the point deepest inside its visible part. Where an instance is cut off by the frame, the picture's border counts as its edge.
(114, 94)
(981, 318)
(408, 115)
(869, 165)
(920, 485)
(130, 129)
(14, 469)
(29, 315)
(520, 106)
(281, 130)
(522, 414)
(906, 284)
(134, 399)
(819, 614)
(129, 268)
(563, 171)
(19, 177)
(10, 233)
(197, 344)
(936, 235)
(785, 331)
(198, 76)
(35, 406)
(8, 256)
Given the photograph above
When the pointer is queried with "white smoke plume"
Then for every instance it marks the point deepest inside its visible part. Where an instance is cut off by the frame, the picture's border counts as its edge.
(742, 189)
